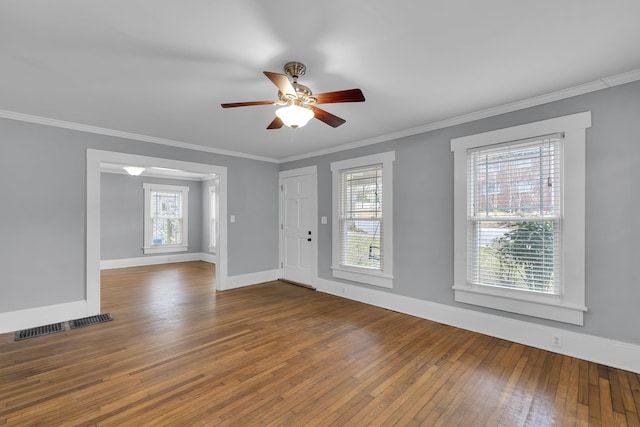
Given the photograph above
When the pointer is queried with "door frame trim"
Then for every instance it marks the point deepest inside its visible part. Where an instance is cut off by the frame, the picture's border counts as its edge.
(312, 171)
(94, 158)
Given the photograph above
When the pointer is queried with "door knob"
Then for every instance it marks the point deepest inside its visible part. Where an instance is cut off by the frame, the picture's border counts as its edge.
(309, 239)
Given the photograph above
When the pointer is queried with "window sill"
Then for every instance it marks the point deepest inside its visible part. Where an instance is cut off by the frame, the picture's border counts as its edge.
(164, 249)
(363, 276)
(543, 306)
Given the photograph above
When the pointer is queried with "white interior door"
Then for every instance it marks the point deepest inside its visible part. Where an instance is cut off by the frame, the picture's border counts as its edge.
(298, 228)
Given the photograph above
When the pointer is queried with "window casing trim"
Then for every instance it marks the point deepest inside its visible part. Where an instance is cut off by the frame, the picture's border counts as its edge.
(382, 278)
(149, 247)
(570, 306)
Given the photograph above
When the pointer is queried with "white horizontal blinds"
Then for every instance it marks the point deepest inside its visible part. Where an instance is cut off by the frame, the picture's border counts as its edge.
(360, 217)
(515, 212)
(166, 217)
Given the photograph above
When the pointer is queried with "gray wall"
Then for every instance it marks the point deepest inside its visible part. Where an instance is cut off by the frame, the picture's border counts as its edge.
(42, 255)
(43, 227)
(122, 215)
(423, 209)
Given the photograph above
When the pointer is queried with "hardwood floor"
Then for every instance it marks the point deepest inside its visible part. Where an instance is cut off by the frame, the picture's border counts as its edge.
(180, 354)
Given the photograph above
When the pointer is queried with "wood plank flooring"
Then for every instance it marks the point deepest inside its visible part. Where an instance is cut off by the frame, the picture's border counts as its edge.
(274, 354)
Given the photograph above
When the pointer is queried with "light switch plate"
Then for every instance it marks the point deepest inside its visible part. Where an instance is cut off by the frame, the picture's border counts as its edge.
(323, 220)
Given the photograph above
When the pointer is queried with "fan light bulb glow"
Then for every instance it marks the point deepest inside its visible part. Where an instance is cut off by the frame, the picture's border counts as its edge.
(133, 170)
(294, 116)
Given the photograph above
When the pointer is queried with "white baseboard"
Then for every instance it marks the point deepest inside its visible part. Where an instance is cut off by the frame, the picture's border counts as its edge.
(209, 257)
(33, 317)
(232, 282)
(605, 351)
(155, 260)
(251, 279)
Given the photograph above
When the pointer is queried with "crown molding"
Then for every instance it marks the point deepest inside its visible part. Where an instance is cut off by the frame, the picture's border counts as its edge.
(622, 78)
(593, 86)
(606, 82)
(12, 115)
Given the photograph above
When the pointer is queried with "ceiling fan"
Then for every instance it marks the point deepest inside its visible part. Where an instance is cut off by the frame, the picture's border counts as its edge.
(298, 102)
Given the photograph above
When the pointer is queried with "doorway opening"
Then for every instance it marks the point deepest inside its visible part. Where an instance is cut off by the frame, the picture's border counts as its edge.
(96, 159)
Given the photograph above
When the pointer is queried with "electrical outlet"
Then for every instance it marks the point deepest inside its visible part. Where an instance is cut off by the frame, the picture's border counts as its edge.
(556, 340)
(342, 290)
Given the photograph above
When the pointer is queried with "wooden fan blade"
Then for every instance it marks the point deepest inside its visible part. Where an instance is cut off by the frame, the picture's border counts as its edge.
(275, 124)
(246, 104)
(328, 118)
(282, 82)
(350, 95)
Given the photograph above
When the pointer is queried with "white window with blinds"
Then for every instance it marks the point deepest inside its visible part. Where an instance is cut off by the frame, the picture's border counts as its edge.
(519, 218)
(362, 219)
(166, 218)
(514, 230)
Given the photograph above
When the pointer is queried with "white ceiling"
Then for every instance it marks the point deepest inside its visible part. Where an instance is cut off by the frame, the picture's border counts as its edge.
(161, 68)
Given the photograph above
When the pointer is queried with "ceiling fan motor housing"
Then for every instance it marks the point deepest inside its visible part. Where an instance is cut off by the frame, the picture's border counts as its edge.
(295, 69)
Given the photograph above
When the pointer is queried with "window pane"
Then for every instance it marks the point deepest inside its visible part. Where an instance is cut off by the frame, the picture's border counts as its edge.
(166, 204)
(515, 254)
(521, 180)
(167, 231)
(360, 243)
(518, 255)
(362, 193)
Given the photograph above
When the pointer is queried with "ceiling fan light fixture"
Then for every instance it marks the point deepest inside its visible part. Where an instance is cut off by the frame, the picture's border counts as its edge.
(133, 170)
(294, 116)
(298, 101)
